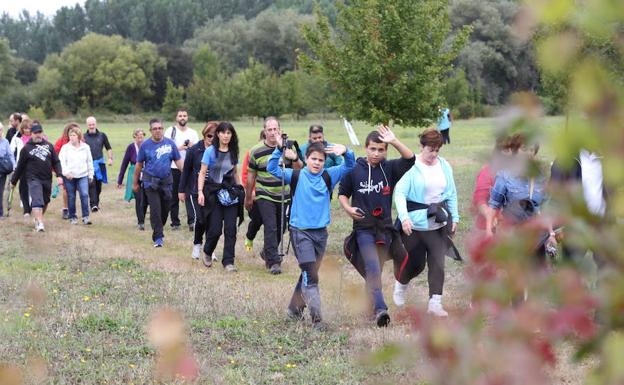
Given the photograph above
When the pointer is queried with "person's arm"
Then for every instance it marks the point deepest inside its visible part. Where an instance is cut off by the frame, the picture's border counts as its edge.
(90, 168)
(274, 169)
(337, 171)
(185, 176)
(109, 149)
(56, 165)
(452, 201)
(250, 183)
(345, 190)
(11, 156)
(19, 169)
(401, 191)
(137, 173)
(124, 166)
(62, 155)
(200, 183)
(497, 198)
(387, 136)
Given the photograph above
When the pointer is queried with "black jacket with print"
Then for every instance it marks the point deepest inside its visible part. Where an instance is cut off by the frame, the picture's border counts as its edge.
(36, 161)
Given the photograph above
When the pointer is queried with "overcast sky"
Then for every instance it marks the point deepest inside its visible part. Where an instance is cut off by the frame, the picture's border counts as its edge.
(47, 7)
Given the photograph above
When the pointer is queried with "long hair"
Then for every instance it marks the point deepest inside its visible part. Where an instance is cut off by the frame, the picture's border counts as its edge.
(233, 145)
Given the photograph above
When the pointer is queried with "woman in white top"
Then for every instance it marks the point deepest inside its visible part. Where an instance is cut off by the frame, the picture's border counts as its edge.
(426, 203)
(77, 166)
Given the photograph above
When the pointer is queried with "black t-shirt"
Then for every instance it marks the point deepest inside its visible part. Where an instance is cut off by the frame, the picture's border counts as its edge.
(96, 141)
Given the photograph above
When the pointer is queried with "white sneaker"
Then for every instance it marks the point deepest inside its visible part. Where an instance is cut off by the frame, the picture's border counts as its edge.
(39, 227)
(435, 306)
(398, 296)
(214, 257)
(196, 251)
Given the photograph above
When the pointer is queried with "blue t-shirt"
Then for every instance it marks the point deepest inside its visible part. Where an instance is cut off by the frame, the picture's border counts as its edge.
(444, 123)
(157, 157)
(219, 164)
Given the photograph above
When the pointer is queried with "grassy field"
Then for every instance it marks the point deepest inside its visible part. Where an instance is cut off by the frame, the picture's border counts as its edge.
(75, 301)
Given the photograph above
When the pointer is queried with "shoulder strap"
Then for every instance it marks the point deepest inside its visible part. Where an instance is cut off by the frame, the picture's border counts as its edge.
(295, 178)
(293, 182)
(531, 187)
(173, 133)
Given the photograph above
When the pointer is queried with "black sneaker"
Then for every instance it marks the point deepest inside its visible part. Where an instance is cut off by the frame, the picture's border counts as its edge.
(275, 269)
(95, 209)
(382, 318)
(295, 314)
(141, 227)
(175, 227)
(191, 228)
(65, 214)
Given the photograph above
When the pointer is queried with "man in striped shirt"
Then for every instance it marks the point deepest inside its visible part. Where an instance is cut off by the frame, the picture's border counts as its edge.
(269, 194)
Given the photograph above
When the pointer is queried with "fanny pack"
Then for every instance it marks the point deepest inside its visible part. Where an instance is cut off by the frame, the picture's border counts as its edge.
(225, 197)
(520, 210)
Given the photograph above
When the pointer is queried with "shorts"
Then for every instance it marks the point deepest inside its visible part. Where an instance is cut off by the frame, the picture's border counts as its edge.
(309, 245)
(39, 191)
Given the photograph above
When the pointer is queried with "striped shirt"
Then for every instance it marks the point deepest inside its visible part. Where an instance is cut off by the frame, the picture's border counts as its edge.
(267, 186)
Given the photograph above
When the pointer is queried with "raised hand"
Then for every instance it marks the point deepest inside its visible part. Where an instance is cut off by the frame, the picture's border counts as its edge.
(336, 149)
(385, 134)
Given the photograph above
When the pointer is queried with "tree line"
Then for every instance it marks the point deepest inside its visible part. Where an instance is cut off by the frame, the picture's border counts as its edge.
(138, 55)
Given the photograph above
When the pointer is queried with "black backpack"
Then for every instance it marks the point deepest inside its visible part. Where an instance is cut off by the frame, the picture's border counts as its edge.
(295, 178)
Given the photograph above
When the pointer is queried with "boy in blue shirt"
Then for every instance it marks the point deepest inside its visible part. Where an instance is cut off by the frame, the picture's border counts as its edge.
(154, 160)
(309, 218)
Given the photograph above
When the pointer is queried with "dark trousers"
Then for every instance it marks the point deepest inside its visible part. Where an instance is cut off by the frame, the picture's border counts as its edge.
(446, 135)
(200, 225)
(159, 210)
(222, 220)
(95, 189)
(273, 228)
(175, 202)
(309, 247)
(369, 251)
(3, 178)
(427, 247)
(24, 195)
(140, 204)
(255, 222)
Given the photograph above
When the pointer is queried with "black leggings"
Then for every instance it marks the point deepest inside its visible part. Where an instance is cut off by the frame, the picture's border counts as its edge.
(425, 247)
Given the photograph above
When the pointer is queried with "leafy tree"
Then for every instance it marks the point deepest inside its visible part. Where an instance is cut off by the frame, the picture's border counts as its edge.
(303, 93)
(387, 59)
(209, 93)
(174, 98)
(258, 90)
(25, 70)
(494, 57)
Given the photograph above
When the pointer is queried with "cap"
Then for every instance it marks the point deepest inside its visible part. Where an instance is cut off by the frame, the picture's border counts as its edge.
(36, 128)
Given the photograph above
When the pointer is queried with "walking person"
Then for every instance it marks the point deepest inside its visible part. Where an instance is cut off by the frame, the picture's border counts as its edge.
(445, 121)
(426, 204)
(18, 142)
(154, 161)
(255, 219)
(370, 186)
(129, 163)
(15, 120)
(269, 195)
(184, 137)
(77, 166)
(36, 161)
(220, 193)
(97, 140)
(188, 186)
(7, 165)
(316, 135)
(60, 142)
(311, 188)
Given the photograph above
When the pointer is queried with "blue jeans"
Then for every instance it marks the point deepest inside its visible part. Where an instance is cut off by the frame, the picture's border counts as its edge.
(82, 186)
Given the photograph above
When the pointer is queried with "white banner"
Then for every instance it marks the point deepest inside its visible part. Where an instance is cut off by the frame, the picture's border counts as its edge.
(352, 137)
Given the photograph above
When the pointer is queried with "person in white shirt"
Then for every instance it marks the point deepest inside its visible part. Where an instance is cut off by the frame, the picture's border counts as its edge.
(77, 166)
(184, 137)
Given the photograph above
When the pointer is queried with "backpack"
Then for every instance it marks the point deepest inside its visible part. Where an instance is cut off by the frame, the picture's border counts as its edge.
(295, 178)
(6, 165)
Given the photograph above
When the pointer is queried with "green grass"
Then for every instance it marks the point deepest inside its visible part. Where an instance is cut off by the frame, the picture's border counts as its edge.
(95, 289)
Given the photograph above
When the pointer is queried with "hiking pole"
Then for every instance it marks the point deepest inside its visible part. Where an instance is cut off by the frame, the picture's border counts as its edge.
(282, 214)
(10, 200)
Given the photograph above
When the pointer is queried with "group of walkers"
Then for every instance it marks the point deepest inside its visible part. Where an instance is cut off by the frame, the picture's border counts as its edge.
(283, 185)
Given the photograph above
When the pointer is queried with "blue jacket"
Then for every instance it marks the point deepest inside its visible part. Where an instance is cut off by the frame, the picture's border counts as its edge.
(310, 205)
(331, 160)
(412, 187)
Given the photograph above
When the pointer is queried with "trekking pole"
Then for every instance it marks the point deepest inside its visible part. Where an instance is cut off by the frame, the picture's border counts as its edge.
(282, 214)
(10, 200)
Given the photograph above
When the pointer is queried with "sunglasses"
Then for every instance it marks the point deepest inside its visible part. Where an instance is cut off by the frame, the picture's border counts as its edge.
(208, 136)
(156, 128)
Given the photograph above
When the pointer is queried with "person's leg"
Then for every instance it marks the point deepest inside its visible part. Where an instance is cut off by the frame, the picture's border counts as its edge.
(269, 250)
(190, 212)
(200, 227)
(83, 191)
(281, 223)
(93, 193)
(3, 178)
(368, 250)
(139, 205)
(71, 187)
(436, 248)
(306, 247)
(297, 303)
(65, 213)
(230, 215)
(214, 229)
(24, 196)
(255, 222)
(154, 199)
(35, 189)
(98, 186)
(174, 206)
(165, 204)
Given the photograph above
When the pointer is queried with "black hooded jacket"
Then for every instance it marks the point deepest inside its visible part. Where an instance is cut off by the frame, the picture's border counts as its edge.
(36, 161)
